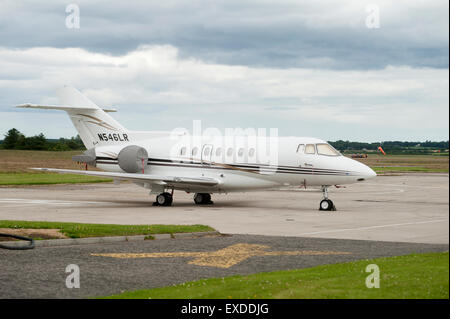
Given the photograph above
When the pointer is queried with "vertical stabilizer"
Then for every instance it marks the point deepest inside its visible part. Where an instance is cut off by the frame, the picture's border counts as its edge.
(94, 125)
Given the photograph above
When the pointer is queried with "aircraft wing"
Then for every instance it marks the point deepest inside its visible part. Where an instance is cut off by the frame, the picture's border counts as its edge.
(153, 179)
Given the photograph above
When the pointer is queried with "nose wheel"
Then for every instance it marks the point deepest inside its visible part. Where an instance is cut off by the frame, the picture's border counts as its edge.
(326, 204)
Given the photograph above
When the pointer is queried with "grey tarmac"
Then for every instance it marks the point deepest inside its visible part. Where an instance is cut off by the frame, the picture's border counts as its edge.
(407, 208)
(40, 273)
(272, 230)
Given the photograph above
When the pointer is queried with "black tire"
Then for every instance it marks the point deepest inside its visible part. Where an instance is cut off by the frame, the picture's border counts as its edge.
(327, 205)
(206, 198)
(169, 198)
(164, 199)
(161, 200)
(202, 199)
(198, 198)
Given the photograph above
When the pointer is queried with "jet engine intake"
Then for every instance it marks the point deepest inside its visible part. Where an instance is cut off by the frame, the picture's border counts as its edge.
(133, 158)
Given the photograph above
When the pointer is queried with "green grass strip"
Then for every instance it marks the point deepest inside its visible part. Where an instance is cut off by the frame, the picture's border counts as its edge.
(409, 169)
(77, 230)
(402, 277)
(47, 178)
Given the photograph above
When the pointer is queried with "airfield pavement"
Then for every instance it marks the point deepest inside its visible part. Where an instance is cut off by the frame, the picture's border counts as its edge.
(40, 273)
(406, 208)
(266, 231)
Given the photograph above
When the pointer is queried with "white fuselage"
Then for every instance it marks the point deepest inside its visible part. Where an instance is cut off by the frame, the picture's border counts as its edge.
(239, 166)
(240, 161)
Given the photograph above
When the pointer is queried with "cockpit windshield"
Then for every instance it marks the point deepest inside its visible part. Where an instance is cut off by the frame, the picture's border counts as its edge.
(327, 149)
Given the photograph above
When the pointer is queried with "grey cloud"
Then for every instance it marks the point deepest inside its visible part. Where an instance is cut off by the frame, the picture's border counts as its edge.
(319, 34)
(307, 67)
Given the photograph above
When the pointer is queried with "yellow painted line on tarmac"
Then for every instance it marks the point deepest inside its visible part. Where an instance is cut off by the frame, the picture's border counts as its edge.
(223, 258)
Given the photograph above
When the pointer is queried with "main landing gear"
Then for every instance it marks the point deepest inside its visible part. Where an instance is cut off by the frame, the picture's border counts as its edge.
(326, 204)
(202, 199)
(166, 199)
(163, 199)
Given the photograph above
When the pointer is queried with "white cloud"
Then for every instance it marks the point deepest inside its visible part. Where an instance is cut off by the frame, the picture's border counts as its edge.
(154, 88)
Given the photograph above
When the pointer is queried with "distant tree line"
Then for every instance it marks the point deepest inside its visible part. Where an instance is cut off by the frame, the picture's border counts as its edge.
(15, 140)
(392, 147)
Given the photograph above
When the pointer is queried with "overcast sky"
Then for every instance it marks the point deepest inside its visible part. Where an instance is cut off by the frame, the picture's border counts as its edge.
(308, 68)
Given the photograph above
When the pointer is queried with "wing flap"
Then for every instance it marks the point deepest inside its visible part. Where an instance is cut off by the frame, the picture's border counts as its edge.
(154, 179)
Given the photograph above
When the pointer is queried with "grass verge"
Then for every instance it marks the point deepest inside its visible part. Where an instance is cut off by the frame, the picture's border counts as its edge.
(403, 277)
(47, 178)
(407, 163)
(404, 169)
(76, 230)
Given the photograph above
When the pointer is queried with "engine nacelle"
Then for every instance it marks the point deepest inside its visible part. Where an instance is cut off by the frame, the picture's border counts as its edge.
(133, 158)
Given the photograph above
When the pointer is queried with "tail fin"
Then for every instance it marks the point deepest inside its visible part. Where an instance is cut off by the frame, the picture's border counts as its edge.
(93, 124)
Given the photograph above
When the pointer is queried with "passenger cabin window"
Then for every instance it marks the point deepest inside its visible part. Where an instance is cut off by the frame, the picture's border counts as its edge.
(301, 148)
(183, 151)
(327, 149)
(251, 152)
(194, 151)
(310, 149)
(241, 152)
(230, 152)
(219, 152)
(206, 151)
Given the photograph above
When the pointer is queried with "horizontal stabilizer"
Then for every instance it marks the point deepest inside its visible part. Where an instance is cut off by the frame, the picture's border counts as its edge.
(61, 107)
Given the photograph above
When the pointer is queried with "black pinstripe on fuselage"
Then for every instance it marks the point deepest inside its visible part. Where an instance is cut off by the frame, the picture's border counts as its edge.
(246, 167)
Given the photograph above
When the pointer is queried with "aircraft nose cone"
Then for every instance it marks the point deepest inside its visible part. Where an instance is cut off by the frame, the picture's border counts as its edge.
(370, 173)
(364, 171)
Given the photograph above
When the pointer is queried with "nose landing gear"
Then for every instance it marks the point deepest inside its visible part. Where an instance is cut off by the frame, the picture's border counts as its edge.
(326, 204)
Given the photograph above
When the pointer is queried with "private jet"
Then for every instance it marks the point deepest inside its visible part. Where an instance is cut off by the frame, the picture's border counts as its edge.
(163, 161)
